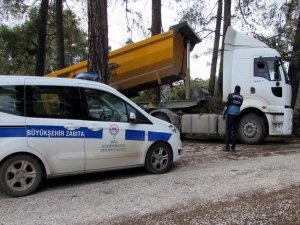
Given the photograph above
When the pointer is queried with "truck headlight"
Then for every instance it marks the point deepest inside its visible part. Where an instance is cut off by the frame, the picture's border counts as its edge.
(173, 128)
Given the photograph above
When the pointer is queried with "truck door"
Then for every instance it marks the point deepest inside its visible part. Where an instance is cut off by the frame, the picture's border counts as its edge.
(267, 82)
(111, 140)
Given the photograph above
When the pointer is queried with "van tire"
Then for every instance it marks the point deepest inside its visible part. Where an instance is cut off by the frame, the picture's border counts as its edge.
(159, 158)
(252, 129)
(20, 175)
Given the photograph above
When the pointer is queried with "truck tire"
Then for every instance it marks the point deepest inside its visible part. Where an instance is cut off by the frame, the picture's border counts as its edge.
(162, 116)
(159, 158)
(251, 129)
(20, 175)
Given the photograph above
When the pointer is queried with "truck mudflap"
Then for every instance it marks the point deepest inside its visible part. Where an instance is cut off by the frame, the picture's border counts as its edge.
(288, 121)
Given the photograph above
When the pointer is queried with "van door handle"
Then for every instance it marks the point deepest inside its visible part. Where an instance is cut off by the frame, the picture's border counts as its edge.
(252, 90)
(71, 127)
(94, 127)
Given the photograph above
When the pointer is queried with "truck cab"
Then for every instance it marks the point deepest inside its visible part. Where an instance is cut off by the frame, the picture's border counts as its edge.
(264, 83)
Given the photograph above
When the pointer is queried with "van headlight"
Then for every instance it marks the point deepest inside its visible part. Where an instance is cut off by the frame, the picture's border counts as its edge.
(173, 128)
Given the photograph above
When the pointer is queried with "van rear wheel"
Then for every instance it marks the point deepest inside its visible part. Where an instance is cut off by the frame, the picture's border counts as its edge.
(20, 175)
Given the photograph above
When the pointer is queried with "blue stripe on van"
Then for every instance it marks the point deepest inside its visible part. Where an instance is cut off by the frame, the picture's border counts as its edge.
(49, 132)
(93, 134)
(61, 132)
(135, 135)
(12, 131)
(158, 136)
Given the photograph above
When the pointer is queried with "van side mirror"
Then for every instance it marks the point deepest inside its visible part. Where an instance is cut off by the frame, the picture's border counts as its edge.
(132, 117)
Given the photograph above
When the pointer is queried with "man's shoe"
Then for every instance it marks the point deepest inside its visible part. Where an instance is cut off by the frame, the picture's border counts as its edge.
(226, 150)
(232, 149)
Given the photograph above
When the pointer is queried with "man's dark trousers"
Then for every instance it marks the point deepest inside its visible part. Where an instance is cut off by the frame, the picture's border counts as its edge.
(232, 124)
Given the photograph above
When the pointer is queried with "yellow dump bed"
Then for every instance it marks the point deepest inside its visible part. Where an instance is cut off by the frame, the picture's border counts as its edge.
(154, 61)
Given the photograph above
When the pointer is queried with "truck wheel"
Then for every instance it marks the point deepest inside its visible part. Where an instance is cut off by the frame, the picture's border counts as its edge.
(20, 175)
(162, 116)
(159, 158)
(251, 129)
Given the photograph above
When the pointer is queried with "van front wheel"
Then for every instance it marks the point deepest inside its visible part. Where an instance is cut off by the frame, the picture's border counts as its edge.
(159, 158)
(20, 175)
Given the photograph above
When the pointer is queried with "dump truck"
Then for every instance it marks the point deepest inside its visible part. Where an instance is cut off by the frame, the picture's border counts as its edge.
(165, 58)
(158, 60)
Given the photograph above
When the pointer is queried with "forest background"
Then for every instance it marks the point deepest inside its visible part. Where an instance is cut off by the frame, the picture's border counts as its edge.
(41, 36)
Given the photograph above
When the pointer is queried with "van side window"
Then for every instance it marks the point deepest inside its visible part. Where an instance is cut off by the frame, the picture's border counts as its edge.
(12, 100)
(103, 106)
(139, 116)
(265, 67)
(53, 102)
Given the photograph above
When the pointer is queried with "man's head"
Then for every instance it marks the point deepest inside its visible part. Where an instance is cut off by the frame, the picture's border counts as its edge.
(237, 89)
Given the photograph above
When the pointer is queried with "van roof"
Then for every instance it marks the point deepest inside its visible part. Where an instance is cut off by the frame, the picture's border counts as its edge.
(19, 80)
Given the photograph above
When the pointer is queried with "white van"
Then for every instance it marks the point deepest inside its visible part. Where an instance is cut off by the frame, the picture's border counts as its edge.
(54, 126)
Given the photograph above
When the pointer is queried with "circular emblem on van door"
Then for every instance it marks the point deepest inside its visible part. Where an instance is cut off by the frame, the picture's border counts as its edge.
(114, 130)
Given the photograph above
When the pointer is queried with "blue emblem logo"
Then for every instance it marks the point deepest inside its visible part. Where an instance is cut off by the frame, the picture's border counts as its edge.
(114, 130)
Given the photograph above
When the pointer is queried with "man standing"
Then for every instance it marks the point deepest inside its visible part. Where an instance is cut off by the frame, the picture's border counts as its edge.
(232, 109)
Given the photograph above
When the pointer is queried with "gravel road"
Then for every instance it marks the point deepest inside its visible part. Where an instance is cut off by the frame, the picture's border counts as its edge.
(255, 185)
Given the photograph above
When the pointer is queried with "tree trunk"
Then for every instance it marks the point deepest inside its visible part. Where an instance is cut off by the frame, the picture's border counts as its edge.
(41, 29)
(226, 24)
(213, 69)
(156, 29)
(60, 58)
(294, 67)
(156, 17)
(98, 39)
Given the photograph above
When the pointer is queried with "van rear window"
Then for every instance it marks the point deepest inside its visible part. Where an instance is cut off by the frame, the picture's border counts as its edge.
(53, 102)
(12, 100)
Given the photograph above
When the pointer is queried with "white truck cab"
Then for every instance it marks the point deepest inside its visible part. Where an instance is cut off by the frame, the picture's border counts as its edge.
(55, 126)
(265, 86)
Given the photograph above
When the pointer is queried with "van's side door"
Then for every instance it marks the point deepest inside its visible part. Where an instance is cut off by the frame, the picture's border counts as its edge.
(118, 142)
(55, 126)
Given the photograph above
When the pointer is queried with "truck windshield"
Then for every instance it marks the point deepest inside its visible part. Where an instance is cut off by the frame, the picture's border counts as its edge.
(281, 64)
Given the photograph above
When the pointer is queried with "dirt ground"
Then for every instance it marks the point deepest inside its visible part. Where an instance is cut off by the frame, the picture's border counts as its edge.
(279, 207)
(202, 150)
(257, 184)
